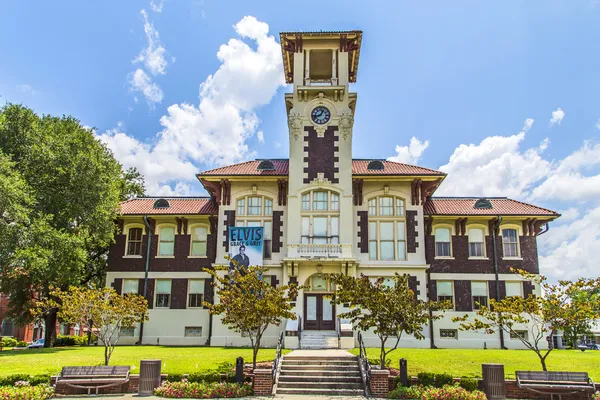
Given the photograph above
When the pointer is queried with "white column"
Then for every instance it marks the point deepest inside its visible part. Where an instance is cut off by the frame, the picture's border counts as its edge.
(307, 70)
(334, 80)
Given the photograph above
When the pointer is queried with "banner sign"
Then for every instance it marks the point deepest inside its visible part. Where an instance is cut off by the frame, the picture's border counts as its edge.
(246, 245)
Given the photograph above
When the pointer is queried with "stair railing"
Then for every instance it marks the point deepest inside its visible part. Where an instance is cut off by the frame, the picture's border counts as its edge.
(277, 359)
(299, 329)
(338, 329)
(365, 367)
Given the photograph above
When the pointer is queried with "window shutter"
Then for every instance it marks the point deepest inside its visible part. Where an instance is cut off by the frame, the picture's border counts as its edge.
(118, 285)
(179, 294)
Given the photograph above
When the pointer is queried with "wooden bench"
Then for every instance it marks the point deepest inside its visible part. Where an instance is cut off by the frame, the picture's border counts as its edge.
(555, 383)
(98, 377)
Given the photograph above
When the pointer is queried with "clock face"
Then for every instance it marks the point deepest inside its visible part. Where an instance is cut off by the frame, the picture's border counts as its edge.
(320, 115)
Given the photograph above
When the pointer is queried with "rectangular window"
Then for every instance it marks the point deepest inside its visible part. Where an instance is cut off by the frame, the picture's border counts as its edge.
(193, 331)
(335, 202)
(268, 207)
(254, 206)
(476, 243)
(518, 334)
(320, 230)
(305, 230)
(335, 230)
(306, 201)
(199, 239)
(448, 334)
(445, 291)
(514, 289)
(163, 293)
(386, 206)
(399, 207)
(241, 207)
(479, 291)
(401, 228)
(166, 245)
(130, 286)
(320, 201)
(195, 293)
(442, 242)
(386, 240)
(127, 332)
(373, 207)
(267, 236)
(134, 242)
(373, 240)
(510, 243)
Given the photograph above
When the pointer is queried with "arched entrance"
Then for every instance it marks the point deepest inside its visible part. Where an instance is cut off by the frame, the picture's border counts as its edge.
(319, 311)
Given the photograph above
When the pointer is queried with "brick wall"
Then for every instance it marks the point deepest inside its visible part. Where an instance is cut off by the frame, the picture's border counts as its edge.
(263, 382)
(379, 384)
(321, 156)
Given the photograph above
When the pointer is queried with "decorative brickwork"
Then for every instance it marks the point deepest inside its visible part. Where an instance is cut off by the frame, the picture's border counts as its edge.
(413, 284)
(363, 231)
(277, 231)
(379, 384)
(263, 382)
(229, 220)
(282, 193)
(357, 191)
(321, 154)
(411, 231)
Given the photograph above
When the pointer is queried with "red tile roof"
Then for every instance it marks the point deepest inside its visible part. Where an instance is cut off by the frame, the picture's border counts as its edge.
(178, 205)
(465, 206)
(359, 167)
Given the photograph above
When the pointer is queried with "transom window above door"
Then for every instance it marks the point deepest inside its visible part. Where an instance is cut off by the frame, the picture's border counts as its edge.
(254, 206)
(321, 200)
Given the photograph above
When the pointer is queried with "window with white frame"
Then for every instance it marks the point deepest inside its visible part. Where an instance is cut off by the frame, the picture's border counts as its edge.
(386, 281)
(166, 241)
(510, 243)
(199, 241)
(442, 242)
(253, 211)
(321, 200)
(479, 293)
(134, 242)
(476, 242)
(320, 223)
(445, 291)
(193, 331)
(387, 228)
(195, 293)
(514, 289)
(163, 293)
(130, 286)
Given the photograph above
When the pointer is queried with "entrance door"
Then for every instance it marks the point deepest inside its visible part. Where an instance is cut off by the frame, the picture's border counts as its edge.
(319, 312)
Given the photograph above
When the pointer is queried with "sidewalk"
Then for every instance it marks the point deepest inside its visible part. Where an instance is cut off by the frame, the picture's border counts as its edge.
(132, 396)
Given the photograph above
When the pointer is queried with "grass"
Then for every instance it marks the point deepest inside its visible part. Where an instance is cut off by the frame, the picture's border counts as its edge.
(181, 360)
(467, 362)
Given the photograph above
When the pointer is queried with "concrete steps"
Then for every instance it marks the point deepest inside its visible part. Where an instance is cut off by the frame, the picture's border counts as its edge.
(319, 340)
(320, 373)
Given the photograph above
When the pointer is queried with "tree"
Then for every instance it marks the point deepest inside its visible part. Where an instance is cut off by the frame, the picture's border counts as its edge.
(534, 320)
(102, 309)
(580, 327)
(248, 304)
(67, 187)
(390, 310)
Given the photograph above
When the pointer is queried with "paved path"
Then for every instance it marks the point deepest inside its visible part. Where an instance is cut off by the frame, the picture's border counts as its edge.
(320, 353)
(282, 397)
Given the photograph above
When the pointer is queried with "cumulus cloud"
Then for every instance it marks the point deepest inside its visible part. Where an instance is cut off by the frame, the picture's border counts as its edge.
(141, 82)
(261, 136)
(557, 116)
(215, 132)
(154, 55)
(410, 154)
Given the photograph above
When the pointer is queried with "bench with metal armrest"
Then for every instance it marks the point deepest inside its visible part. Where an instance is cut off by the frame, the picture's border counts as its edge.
(555, 383)
(97, 377)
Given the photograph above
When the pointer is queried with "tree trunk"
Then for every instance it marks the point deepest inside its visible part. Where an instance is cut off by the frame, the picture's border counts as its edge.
(382, 354)
(543, 361)
(106, 355)
(89, 335)
(50, 324)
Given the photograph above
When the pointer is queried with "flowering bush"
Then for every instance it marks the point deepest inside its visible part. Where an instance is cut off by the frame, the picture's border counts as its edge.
(40, 392)
(196, 390)
(21, 383)
(448, 392)
(596, 396)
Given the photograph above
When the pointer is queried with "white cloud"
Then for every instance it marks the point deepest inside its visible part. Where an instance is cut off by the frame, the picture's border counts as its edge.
(277, 145)
(27, 89)
(557, 116)
(410, 154)
(528, 124)
(157, 6)
(261, 136)
(598, 124)
(569, 214)
(216, 131)
(141, 82)
(154, 55)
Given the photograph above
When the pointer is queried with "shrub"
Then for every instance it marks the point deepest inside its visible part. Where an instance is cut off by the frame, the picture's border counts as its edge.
(9, 342)
(426, 378)
(195, 390)
(65, 340)
(402, 392)
(174, 377)
(451, 392)
(469, 384)
(22, 343)
(39, 380)
(442, 380)
(26, 392)
(11, 379)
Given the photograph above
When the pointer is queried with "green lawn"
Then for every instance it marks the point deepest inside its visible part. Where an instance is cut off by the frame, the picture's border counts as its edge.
(175, 359)
(467, 363)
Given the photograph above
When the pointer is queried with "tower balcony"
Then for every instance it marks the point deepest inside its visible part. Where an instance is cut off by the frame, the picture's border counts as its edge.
(319, 251)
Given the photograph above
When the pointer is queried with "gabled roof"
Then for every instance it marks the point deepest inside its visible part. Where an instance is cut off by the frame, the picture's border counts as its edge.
(466, 206)
(177, 206)
(359, 167)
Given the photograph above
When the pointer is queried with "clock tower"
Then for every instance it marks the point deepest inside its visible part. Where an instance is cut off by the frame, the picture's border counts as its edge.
(320, 109)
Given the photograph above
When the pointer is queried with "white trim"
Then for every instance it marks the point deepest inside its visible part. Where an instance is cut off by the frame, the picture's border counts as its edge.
(133, 257)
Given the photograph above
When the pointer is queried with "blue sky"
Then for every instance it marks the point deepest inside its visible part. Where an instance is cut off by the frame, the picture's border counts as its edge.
(501, 95)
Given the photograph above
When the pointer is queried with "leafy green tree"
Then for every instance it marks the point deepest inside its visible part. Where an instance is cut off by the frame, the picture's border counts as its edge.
(534, 320)
(67, 188)
(248, 304)
(391, 310)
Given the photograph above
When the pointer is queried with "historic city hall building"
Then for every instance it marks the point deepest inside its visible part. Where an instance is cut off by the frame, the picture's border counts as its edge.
(324, 212)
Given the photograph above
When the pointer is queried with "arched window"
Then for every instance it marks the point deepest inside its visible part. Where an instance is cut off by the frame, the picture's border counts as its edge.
(257, 211)
(476, 242)
(387, 228)
(199, 238)
(320, 217)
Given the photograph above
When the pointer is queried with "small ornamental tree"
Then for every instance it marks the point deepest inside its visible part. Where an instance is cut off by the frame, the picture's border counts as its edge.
(248, 304)
(534, 320)
(390, 310)
(101, 309)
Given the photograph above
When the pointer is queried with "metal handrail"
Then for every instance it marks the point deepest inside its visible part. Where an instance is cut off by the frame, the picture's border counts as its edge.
(299, 328)
(277, 355)
(338, 328)
(365, 370)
